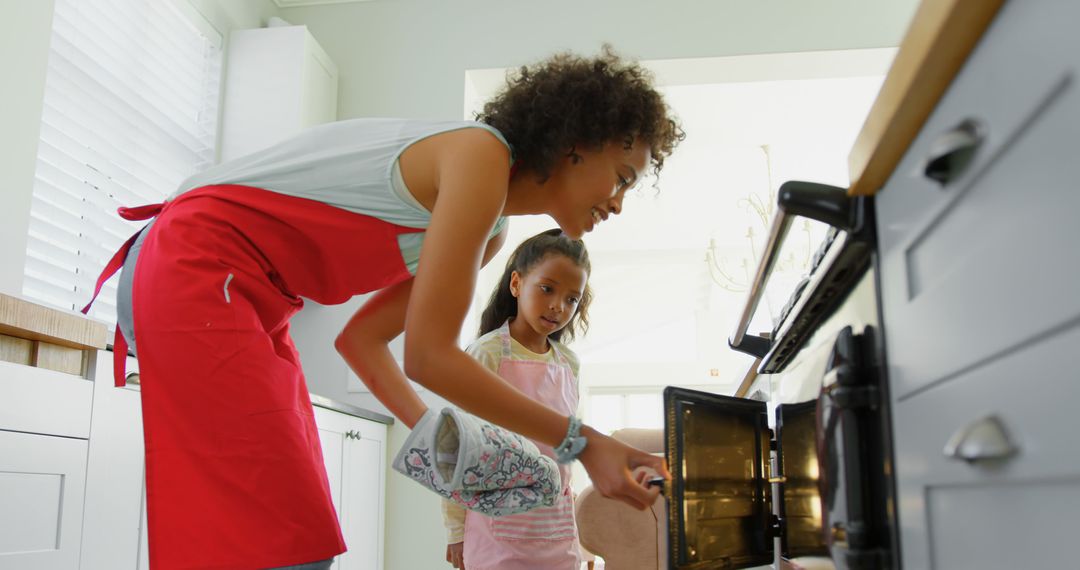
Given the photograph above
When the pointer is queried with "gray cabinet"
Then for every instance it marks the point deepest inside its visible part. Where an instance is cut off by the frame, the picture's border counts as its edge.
(979, 280)
(987, 261)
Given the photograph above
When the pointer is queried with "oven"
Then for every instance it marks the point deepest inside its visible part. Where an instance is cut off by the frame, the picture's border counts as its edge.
(808, 473)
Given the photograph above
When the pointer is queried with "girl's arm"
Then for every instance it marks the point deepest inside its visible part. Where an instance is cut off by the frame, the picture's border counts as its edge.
(472, 178)
(364, 344)
(453, 516)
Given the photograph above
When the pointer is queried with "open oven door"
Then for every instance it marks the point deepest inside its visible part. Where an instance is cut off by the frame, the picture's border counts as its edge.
(797, 459)
(719, 497)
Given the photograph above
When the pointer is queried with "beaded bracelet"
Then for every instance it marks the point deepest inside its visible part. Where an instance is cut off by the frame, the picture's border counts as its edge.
(573, 444)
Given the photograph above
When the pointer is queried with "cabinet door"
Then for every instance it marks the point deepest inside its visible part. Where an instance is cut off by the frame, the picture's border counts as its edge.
(332, 429)
(986, 468)
(986, 263)
(114, 474)
(354, 450)
(362, 497)
(320, 85)
(42, 484)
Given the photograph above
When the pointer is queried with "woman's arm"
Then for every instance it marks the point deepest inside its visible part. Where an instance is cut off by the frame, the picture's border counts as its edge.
(364, 344)
(472, 175)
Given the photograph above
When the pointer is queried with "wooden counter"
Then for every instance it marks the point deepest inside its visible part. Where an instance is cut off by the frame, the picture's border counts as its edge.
(938, 41)
(36, 335)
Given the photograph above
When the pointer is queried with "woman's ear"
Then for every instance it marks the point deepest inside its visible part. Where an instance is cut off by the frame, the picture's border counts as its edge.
(515, 283)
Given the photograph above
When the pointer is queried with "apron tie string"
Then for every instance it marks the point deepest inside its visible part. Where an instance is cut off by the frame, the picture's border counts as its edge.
(120, 345)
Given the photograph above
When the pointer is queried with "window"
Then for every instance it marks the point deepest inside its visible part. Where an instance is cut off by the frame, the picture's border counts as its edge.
(130, 110)
(631, 408)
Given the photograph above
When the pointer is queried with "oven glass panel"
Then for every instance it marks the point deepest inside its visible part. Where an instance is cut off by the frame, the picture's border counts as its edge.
(719, 504)
(797, 454)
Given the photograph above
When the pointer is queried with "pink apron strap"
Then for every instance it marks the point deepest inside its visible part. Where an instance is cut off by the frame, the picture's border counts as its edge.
(119, 342)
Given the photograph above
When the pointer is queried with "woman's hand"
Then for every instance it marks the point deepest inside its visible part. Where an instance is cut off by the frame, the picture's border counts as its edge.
(455, 555)
(611, 463)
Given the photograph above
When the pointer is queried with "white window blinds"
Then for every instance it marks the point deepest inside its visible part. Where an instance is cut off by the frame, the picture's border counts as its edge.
(130, 110)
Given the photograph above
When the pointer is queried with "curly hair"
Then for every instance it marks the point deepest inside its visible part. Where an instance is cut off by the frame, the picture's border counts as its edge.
(503, 305)
(548, 109)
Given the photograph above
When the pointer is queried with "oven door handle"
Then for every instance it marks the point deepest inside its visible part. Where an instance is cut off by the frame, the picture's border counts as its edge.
(821, 202)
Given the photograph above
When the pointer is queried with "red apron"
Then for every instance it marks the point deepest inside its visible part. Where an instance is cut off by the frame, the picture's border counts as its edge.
(234, 469)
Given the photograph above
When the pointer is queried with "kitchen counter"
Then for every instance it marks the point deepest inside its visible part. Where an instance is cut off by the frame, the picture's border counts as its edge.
(937, 43)
(44, 337)
(321, 402)
(363, 413)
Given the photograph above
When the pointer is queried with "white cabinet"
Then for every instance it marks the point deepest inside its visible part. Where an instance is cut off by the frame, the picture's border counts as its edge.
(41, 501)
(278, 82)
(44, 425)
(113, 520)
(355, 454)
(114, 475)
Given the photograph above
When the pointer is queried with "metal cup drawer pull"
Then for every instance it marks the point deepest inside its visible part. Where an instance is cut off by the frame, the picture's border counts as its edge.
(951, 153)
(982, 440)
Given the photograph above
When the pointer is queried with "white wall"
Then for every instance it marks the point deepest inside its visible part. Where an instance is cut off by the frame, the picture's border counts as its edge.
(24, 54)
(24, 49)
(408, 58)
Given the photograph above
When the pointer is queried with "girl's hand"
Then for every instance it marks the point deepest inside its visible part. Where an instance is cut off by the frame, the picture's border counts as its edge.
(455, 554)
(611, 463)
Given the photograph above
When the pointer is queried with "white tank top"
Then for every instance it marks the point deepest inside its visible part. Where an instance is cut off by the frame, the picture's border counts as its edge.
(351, 165)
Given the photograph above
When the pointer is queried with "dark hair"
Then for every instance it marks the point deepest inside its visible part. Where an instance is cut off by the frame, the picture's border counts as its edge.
(567, 101)
(502, 305)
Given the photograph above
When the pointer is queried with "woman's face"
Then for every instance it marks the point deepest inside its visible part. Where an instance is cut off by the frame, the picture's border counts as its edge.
(588, 185)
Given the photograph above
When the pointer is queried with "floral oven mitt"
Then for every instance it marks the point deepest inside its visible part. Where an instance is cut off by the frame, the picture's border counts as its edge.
(478, 465)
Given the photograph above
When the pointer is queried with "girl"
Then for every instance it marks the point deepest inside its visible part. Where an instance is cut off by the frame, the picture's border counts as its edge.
(542, 297)
(408, 209)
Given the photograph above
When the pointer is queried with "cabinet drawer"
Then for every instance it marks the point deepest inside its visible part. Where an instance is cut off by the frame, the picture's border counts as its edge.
(41, 500)
(37, 400)
(1022, 504)
(987, 262)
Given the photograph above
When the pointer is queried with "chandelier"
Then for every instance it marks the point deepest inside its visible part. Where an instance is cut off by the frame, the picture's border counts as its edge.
(735, 275)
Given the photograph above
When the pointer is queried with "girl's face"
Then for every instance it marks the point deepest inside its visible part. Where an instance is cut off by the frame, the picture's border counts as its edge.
(547, 296)
(589, 185)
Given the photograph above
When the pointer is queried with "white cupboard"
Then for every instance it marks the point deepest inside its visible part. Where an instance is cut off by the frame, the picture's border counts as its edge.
(278, 82)
(44, 426)
(112, 515)
(355, 454)
(41, 501)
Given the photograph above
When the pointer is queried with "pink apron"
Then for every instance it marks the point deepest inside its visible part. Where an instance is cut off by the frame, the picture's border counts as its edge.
(545, 538)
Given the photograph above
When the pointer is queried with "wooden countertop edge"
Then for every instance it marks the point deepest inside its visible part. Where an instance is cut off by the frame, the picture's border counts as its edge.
(939, 40)
(24, 319)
